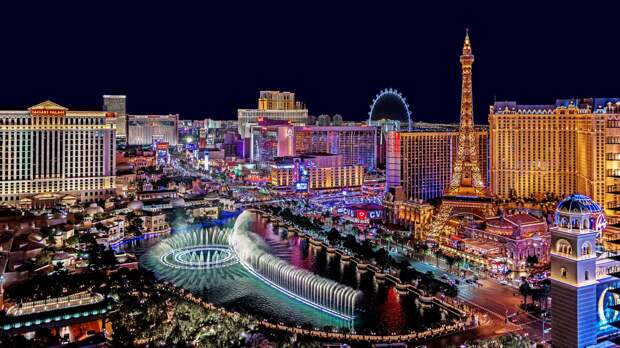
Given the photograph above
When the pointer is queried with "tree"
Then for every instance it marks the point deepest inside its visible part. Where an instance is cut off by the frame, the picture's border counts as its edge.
(531, 261)
(450, 260)
(438, 253)
(135, 226)
(351, 243)
(525, 290)
(49, 233)
(333, 236)
(72, 241)
(366, 250)
(383, 258)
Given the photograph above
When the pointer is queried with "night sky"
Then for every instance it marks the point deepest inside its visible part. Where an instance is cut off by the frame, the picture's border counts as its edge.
(209, 58)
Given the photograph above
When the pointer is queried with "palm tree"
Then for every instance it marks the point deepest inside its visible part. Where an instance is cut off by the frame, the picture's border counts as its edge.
(437, 251)
(525, 290)
(450, 260)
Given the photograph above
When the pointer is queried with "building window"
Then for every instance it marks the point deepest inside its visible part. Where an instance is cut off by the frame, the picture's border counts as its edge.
(562, 246)
(586, 249)
(563, 272)
(586, 275)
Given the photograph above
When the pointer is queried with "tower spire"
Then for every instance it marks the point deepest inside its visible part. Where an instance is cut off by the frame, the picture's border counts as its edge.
(467, 44)
(466, 175)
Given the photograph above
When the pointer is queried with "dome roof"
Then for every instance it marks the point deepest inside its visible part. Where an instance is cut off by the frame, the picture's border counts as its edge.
(578, 204)
(135, 205)
(177, 203)
(94, 209)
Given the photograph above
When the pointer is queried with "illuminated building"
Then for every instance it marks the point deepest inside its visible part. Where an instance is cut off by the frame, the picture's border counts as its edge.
(515, 236)
(118, 105)
(575, 273)
(383, 127)
(150, 129)
(315, 172)
(356, 144)
(49, 151)
(69, 317)
(466, 194)
(403, 212)
(421, 161)
(572, 146)
(270, 139)
(273, 105)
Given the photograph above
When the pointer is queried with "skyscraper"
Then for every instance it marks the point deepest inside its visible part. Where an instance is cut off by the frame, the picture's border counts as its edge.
(149, 129)
(273, 105)
(570, 146)
(118, 105)
(356, 144)
(48, 152)
(421, 161)
(271, 139)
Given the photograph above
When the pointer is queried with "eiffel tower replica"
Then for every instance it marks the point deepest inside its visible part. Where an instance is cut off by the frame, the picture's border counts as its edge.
(467, 193)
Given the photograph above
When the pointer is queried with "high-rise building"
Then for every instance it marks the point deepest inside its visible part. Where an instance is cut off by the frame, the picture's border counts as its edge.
(273, 105)
(356, 144)
(305, 173)
(149, 129)
(271, 139)
(49, 153)
(571, 146)
(421, 161)
(118, 105)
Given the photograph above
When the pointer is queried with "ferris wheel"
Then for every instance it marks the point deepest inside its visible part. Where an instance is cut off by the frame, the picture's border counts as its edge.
(390, 104)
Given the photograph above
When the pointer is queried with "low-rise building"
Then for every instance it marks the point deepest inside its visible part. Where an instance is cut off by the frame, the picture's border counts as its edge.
(513, 237)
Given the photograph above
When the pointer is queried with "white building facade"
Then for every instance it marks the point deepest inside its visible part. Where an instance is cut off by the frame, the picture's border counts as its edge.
(149, 129)
(49, 151)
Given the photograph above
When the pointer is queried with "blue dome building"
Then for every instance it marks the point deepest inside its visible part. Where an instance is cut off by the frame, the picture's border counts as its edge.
(580, 212)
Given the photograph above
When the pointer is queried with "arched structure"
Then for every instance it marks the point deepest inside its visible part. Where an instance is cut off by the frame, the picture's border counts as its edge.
(390, 104)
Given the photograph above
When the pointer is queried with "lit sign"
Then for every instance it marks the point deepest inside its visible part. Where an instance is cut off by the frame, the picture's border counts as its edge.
(301, 186)
(361, 214)
(162, 146)
(47, 112)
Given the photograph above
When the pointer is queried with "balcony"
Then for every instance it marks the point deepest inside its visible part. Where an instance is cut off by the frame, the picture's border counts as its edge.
(613, 173)
(615, 206)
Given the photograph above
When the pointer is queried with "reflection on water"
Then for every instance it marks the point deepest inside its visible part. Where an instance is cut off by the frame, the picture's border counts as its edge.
(382, 310)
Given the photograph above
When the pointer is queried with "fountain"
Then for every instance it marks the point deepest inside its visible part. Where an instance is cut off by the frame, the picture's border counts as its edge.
(313, 290)
(197, 249)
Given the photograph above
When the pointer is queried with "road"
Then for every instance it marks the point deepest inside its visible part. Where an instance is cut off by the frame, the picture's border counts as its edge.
(493, 297)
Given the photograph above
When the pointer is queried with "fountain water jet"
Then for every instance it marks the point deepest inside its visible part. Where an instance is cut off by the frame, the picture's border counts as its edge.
(321, 293)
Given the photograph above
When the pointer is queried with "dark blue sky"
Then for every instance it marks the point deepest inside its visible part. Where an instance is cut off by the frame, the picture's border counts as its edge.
(206, 59)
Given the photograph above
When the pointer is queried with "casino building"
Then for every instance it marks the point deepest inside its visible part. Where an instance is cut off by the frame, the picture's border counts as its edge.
(356, 144)
(149, 129)
(420, 161)
(273, 105)
(49, 153)
(324, 172)
(570, 146)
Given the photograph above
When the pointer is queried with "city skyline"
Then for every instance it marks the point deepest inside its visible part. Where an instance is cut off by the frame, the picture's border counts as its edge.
(214, 175)
(187, 65)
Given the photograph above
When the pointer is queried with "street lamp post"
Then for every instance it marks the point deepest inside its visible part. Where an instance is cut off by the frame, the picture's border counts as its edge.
(543, 316)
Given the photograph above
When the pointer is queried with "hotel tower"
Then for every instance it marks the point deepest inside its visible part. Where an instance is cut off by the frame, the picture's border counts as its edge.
(570, 146)
(50, 154)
